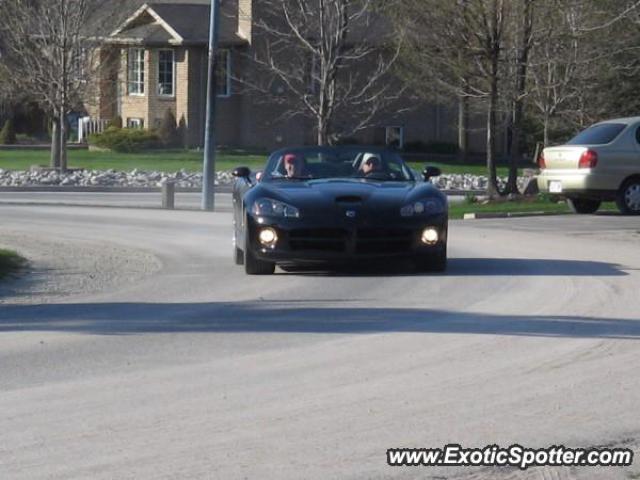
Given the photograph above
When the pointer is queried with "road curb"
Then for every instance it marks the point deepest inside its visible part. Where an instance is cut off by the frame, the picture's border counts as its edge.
(484, 216)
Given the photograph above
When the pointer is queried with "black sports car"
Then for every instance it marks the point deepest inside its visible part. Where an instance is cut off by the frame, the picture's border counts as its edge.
(337, 204)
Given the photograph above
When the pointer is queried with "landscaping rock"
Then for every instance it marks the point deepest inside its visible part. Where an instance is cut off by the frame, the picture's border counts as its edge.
(184, 179)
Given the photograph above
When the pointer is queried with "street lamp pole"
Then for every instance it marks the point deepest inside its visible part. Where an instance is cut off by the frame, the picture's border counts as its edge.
(209, 165)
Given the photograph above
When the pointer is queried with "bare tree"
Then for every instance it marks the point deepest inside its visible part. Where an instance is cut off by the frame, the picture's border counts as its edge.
(490, 22)
(457, 49)
(50, 55)
(330, 59)
(582, 54)
(523, 21)
(557, 56)
(436, 61)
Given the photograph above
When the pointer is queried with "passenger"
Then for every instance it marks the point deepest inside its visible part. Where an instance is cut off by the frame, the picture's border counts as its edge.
(294, 165)
(371, 164)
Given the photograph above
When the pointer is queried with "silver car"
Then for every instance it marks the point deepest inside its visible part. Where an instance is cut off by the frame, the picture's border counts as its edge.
(601, 163)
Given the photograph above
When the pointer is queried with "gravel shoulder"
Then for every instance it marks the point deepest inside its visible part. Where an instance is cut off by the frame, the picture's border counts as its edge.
(59, 270)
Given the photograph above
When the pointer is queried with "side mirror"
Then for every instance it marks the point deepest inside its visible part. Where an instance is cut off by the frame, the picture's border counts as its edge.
(429, 172)
(241, 172)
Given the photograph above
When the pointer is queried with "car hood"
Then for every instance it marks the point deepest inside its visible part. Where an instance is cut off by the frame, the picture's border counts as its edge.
(329, 194)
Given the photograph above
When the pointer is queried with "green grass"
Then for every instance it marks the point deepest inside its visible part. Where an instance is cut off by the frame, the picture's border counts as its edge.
(10, 262)
(170, 161)
(457, 210)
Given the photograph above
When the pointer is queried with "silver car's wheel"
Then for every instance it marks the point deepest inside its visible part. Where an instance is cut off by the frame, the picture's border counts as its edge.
(583, 205)
(629, 198)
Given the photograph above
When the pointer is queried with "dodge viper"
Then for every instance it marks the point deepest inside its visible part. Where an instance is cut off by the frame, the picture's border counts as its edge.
(324, 205)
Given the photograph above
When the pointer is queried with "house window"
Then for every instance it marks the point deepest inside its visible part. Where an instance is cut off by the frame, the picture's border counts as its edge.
(166, 73)
(135, 123)
(223, 73)
(394, 137)
(135, 62)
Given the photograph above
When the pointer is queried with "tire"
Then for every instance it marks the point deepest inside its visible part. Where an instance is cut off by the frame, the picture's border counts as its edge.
(628, 198)
(583, 205)
(253, 265)
(435, 262)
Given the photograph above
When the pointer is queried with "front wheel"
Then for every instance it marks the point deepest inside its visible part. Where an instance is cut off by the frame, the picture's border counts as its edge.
(583, 205)
(433, 262)
(253, 265)
(628, 198)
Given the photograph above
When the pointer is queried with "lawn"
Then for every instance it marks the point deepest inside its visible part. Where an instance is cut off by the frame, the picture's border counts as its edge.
(168, 161)
(10, 262)
(457, 210)
(171, 161)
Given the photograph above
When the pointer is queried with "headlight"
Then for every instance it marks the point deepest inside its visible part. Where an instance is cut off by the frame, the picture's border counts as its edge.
(431, 206)
(273, 208)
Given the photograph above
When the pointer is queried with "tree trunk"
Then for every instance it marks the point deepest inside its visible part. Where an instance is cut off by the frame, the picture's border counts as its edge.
(521, 85)
(322, 131)
(463, 127)
(63, 141)
(55, 144)
(492, 185)
(545, 136)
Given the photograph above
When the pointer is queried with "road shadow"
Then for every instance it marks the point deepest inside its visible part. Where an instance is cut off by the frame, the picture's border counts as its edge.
(465, 267)
(283, 317)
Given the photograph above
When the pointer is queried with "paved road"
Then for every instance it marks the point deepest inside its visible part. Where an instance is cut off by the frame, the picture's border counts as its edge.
(182, 367)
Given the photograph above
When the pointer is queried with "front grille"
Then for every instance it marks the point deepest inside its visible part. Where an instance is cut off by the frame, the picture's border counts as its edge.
(364, 241)
(321, 239)
(383, 240)
(348, 199)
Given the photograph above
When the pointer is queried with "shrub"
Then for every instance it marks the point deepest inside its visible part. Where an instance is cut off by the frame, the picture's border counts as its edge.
(116, 122)
(8, 133)
(168, 131)
(470, 198)
(10, 262)
(125, 140)
(182, 132)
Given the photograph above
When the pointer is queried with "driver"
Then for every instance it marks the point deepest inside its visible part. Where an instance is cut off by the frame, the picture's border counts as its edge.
(294, 165)
(371, 163)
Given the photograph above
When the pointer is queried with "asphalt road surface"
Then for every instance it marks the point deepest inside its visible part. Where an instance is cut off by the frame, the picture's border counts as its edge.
(134, 348)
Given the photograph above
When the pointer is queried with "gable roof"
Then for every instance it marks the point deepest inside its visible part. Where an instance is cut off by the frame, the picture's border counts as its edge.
(174, 23)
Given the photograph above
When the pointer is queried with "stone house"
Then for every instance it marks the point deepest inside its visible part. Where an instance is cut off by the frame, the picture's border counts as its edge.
(156, 58)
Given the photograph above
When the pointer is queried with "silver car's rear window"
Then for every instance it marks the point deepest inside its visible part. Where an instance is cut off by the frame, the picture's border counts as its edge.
(598, 134)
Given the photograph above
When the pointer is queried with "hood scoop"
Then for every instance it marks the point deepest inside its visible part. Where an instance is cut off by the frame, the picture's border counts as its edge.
(349, 199)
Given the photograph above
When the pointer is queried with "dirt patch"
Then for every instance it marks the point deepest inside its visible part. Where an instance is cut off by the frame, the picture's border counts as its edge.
(63, 268)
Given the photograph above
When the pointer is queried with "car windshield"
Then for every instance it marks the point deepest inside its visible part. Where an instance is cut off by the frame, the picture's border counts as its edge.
(598, 134)
(337, 162)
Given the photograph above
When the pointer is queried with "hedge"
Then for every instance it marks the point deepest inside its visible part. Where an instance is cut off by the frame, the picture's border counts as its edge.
(125, 140)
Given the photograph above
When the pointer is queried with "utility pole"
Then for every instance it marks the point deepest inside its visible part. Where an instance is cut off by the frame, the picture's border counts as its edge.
(209, 166)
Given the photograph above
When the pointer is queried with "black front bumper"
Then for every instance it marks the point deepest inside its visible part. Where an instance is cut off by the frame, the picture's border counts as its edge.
(306, 241)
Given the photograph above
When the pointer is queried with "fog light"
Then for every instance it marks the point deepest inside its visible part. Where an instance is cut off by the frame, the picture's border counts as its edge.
(430, 236)
(268, 237)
